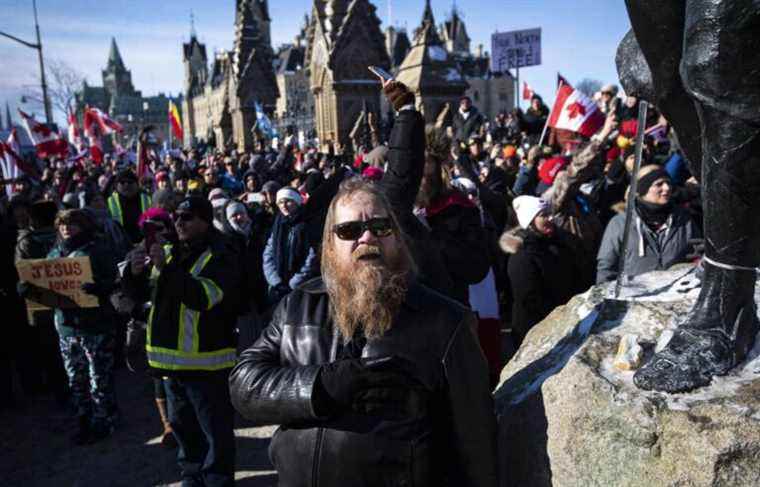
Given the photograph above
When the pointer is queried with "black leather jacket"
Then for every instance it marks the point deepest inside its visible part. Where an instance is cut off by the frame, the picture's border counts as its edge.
(452, 442)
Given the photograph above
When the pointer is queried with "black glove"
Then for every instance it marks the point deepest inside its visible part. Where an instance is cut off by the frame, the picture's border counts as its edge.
(90, 288)
(26, 289)
(341, 380)
(23, 288)
(375, 386)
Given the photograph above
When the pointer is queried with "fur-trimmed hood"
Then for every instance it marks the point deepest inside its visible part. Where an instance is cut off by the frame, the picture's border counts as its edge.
(512, 240)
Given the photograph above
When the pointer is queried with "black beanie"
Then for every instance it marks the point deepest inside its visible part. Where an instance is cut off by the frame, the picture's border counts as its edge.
(125, 175)
(645, 182)
(198, 206)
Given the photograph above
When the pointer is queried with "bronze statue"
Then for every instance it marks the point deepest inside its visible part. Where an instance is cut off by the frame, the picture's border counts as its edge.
(698, 61)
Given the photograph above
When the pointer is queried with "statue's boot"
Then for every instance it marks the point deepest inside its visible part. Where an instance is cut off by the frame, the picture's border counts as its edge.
(721, 48)
(716, 336)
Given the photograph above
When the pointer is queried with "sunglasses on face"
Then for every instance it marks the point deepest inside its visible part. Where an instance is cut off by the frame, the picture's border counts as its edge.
(379, 227)
(183, 217)
(157, 227)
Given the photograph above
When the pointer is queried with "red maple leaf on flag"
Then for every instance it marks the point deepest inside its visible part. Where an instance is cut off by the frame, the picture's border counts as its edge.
(575, 109)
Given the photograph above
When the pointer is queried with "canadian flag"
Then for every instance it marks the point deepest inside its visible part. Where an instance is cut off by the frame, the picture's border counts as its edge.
(75, 133)
(8, 166)
(46, 141)
(97, 121)
(11, 162)
(527, 92)
(575, 111)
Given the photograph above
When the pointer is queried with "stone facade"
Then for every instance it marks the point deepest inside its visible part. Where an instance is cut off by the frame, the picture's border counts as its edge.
(119, 98)
(430, 71)
(397, 44)
(344, 37)
(295, 106)
(220, 101)
(490, 92)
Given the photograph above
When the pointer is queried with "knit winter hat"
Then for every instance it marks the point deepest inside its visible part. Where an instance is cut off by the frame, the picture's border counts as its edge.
(527, 208)
(217, 193)
(288, 193)
(398, 94)
(154, 214)
(198, 206)
(373, 173)
(465, 185)
(549, 169)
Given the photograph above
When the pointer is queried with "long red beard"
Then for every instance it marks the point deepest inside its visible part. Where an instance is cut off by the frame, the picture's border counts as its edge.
(364, 295)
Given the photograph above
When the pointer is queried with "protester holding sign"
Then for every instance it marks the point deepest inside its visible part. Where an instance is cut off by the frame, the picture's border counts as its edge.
(35, 243)
(85, 334)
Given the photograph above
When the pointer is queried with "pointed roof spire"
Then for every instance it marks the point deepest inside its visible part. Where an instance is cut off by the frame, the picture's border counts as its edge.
(427, 26)
(192, 25)
(114, 57)
(427, 15)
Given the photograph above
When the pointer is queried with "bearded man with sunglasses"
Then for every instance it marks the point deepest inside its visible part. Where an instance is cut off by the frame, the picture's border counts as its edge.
(374, 378)
(191, 338)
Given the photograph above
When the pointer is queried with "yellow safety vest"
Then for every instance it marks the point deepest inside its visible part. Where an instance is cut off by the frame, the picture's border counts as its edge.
(186, 355)
(114, 206)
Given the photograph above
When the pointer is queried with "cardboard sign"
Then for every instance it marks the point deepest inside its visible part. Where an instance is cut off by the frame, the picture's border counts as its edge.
(516, 49)
(61, 278)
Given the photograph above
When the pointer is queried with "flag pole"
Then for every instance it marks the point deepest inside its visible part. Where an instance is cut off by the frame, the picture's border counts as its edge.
(549, 117)
(632, 191)
(517, 88)
(169, 123)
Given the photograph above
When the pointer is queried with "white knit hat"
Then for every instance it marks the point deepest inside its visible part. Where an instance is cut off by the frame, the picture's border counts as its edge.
(465, 185)
(288, 193)
(527, 207)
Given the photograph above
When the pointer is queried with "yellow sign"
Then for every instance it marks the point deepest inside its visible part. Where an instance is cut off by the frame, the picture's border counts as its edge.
(60, 281)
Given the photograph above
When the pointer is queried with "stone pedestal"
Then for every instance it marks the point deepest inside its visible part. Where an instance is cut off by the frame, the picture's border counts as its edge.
(569, 417)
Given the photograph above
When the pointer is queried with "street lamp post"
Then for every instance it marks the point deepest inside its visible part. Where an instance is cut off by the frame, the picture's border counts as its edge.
(38, 47)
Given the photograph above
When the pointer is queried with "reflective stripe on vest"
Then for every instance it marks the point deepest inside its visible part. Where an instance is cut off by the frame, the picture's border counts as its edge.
(145, 202)
(164, 358)
(187, 355)
(114, 206)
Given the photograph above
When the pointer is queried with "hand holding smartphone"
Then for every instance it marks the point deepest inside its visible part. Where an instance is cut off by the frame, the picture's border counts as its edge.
(384, 75)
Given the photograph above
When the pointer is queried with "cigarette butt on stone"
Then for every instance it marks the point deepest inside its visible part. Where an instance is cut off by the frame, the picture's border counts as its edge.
(629, 353)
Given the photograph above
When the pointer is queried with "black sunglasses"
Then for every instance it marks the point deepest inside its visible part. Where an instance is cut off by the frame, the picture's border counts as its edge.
(379, 227)
(183, 217)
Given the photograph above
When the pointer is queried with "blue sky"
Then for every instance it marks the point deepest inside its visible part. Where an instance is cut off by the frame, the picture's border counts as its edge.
(579, 37)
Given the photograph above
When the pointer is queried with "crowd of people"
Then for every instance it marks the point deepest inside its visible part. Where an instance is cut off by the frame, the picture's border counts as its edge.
(270, 279)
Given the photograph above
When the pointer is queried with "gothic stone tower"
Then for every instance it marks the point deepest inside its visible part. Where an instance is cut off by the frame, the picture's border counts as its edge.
(117, 79)
(253, 79)
(344, 38)
(430, 72)
(196, 75)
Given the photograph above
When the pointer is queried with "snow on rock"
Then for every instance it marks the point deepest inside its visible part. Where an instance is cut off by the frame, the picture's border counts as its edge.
(568, 416)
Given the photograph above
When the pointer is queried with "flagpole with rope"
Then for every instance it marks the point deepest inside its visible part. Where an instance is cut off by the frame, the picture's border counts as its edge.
(169, 124)
(546, 125)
